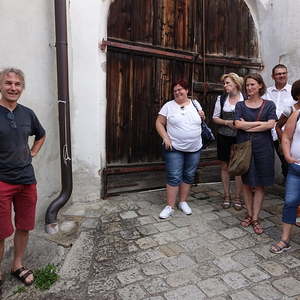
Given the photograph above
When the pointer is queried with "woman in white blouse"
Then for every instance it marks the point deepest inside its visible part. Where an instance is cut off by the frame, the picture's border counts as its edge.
(223, 116)
(179, 125)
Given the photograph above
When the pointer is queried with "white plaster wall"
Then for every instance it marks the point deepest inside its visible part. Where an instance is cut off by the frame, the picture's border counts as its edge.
(277, 23)
(29, 35)
(87, 27)
(26, 32)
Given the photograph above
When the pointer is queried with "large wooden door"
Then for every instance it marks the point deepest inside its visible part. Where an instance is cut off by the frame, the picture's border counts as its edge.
(152, 43)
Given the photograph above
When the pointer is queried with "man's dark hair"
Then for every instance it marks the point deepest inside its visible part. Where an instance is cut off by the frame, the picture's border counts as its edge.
(277, 67)
(296, 90)
(257, 77)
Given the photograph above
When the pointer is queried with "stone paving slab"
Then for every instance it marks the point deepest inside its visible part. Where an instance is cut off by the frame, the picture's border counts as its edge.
(288, 286)
(236, 280)
(267, 292)
(213, 287)
(77, 263)
(243, 295)
(125, 252)
(189, 292)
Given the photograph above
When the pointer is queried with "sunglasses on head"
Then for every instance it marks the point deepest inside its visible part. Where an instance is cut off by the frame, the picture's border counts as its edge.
(11, 118)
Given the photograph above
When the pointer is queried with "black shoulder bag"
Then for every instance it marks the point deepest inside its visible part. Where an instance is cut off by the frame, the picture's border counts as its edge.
(206, 133)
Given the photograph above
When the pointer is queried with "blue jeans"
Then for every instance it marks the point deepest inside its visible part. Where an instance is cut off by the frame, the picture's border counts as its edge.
(292, 194)
(181, 166)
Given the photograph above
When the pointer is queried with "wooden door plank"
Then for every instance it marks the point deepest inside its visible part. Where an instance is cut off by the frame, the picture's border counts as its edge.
(142, 14)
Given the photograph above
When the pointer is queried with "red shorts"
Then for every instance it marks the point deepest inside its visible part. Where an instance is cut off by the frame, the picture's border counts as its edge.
(23, 197)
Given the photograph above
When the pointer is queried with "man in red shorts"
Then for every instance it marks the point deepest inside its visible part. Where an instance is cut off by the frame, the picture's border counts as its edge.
(17, 179)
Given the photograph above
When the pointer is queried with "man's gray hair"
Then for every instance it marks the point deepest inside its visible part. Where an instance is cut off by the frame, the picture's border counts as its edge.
(18, 72)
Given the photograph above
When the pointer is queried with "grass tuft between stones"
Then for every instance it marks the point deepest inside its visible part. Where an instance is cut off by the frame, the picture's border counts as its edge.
(45, 277)
(19, 290)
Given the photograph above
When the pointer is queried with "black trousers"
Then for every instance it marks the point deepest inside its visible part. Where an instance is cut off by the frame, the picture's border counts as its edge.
(284, 164)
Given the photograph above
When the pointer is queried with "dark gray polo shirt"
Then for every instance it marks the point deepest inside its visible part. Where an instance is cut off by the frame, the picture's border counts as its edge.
(15, 156)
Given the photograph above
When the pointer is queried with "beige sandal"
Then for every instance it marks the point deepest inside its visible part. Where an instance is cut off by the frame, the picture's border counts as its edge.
(237, 204)
(227, 202)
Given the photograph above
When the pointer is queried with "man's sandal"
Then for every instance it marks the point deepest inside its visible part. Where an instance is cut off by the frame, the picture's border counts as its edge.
(280, 247)
(257, 228)
(226, 203)
(26, 272)
(247, 221)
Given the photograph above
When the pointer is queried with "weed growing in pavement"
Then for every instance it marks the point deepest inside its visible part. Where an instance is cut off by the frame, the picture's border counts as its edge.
(45, 277)
(20, 289)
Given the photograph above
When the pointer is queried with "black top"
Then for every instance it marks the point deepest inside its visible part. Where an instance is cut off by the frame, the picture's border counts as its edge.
(15, 156)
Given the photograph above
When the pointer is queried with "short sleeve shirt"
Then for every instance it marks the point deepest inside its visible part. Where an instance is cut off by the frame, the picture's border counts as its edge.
(296, 142)
(282, 99)
(15, 155)
(250, 115)
(183, 125)
(227, 106)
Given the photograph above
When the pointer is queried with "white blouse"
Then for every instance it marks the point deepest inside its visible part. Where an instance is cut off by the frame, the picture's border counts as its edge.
(227, 106)
(295, 146)
(183, 125)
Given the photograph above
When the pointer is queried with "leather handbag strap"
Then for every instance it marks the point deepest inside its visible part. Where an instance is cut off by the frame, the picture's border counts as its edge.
(197, 109)
(260, 110)
(194, 105)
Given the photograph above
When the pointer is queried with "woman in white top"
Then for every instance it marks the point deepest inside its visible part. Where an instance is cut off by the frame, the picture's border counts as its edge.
(179, 125)
(290, 147)
(223, 116)
(295, 91)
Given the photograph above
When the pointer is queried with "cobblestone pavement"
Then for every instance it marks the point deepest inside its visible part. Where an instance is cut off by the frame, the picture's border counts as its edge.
(128, 253)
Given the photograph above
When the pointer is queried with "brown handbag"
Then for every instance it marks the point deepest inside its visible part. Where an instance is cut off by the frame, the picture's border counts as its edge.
(240, 158)
(241, 154)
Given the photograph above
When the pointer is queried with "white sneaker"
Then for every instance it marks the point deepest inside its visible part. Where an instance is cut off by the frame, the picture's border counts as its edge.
(185, 208)
(166, 212)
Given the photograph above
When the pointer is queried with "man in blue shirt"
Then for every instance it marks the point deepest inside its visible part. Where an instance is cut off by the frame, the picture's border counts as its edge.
(17, 179)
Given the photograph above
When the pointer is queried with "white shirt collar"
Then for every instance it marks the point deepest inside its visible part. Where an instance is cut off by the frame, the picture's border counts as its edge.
(286, 88)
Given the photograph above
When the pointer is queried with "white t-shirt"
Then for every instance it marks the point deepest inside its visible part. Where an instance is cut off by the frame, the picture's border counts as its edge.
(282, 99)
(183, 125)
(227, 106)
(288, 110)
(295, 146)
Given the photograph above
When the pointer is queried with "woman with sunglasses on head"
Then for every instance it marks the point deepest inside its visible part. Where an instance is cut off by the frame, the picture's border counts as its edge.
(254, 119)
(179, 125)
(223, 116)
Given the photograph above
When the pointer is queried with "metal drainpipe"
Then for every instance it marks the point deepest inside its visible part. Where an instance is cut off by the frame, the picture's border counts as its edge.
(64, 117)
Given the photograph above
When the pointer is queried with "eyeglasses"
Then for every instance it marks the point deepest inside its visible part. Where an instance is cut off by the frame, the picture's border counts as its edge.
(279, 74)
(11, 118)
